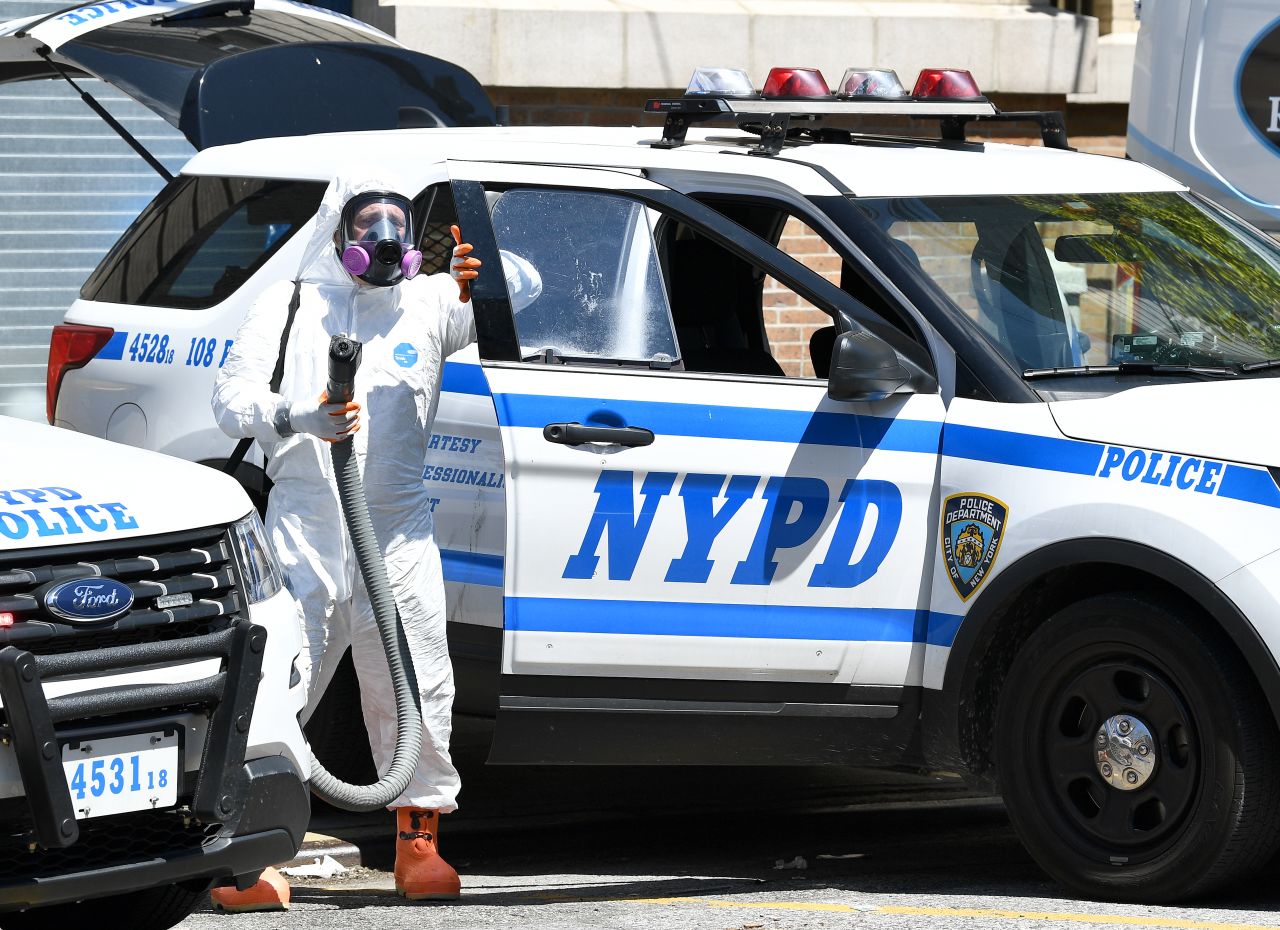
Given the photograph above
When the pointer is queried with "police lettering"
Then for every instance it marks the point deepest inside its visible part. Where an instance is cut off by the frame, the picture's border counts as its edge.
(1162, 469)
(976, 508)
(795, 510)
(57, 516)
(453, 443)
(1275, 115)
(86, 13)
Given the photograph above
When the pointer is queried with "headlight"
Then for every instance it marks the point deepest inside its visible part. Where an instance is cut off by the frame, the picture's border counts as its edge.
(258, 565)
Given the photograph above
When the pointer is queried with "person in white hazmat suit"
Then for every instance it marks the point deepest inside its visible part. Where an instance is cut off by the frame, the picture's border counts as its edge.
(353, 281)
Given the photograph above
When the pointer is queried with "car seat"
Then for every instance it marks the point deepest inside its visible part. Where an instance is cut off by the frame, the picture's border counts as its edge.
(1020, 311)
(711, 290)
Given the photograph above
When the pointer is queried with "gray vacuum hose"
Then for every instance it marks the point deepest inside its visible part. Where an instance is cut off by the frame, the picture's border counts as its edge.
(374, 571)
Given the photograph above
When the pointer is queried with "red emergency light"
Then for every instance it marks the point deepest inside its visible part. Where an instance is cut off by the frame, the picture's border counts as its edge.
(795, 82)
(952, 83)
(6, 620)
(71, 347)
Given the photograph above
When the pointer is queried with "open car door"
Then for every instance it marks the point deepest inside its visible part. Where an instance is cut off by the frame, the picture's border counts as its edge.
(699, 567)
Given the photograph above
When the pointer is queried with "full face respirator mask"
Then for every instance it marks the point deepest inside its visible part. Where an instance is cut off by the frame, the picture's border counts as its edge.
(376, 241)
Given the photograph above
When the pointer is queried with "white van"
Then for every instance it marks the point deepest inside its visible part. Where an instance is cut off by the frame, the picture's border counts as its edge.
(1205, 106)
(149, 698)
(815, 447)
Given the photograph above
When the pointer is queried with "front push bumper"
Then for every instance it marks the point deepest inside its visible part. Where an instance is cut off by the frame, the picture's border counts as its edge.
(238, 817)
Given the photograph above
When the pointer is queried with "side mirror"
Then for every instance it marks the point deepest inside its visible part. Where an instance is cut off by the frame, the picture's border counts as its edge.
(864, 368)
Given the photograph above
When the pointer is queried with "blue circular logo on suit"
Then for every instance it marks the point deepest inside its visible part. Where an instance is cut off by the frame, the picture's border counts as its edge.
(406, 356)
(89, 600)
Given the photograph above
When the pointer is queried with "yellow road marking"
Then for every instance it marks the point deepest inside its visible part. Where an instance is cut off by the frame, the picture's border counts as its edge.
(1071, 917)
(1174, 923)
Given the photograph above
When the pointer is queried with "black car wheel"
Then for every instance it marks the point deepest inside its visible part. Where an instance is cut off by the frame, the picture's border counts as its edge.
(1136, 755)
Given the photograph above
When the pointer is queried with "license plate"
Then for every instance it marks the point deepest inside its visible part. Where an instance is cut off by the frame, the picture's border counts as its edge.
(117, 774)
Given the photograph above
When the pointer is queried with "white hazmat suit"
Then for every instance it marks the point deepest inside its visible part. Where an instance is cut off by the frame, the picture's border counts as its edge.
(408, 330)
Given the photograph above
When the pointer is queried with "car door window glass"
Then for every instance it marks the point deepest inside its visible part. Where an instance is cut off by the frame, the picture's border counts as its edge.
(601, 294)
(764, 327)
(1097, 279)
(433, 213)
(800, 335)
(200, 240)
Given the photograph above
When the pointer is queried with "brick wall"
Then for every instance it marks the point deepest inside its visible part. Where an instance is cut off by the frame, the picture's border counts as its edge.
(789, 320)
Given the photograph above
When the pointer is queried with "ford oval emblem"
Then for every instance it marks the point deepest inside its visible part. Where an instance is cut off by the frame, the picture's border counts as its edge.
(88, 600)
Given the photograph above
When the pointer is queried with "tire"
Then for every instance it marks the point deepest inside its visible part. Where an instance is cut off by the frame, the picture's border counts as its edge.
(153, 909)
(1205, 809)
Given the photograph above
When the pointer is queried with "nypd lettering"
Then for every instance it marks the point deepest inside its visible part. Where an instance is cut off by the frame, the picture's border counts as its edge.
(972, 528)
(58, 511)
(868, 515)
(1162, 469)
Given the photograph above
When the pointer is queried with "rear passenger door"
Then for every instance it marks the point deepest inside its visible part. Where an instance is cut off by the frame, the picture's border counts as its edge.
(704, 543)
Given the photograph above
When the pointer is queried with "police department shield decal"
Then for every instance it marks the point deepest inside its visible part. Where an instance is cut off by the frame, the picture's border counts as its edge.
(972, 527)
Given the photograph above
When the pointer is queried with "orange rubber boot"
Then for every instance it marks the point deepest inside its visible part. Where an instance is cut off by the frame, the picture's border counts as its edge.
(421, 875)
(269, 893)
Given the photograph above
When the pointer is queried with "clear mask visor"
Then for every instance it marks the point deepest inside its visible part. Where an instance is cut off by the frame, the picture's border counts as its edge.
(378, 217)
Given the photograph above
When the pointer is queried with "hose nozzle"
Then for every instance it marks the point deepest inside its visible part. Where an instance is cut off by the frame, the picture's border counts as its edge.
(344, 361)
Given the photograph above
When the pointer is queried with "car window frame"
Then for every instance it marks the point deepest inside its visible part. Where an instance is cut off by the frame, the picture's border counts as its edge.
(495, 321)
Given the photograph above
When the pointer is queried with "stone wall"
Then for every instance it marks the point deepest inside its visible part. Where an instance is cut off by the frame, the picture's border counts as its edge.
(1015, 46)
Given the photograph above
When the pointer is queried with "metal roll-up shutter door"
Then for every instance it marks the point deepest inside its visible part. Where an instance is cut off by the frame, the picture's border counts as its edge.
(68, 187)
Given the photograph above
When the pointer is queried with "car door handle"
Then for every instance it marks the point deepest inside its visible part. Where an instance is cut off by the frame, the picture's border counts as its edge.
(572, 434)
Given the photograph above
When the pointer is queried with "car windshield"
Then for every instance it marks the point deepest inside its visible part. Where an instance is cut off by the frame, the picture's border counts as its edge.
(1131, 280)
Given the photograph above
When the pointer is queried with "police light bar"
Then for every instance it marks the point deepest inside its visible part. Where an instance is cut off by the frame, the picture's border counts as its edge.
(801, 94)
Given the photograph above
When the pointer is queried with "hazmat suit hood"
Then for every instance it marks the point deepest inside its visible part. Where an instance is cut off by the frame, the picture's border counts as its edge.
(320, 263)
(344, 295)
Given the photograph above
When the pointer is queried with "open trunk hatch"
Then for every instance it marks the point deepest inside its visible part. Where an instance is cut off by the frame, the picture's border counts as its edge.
(231, 70)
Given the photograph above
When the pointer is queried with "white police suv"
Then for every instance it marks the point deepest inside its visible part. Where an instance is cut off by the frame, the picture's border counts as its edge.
(149, 736)
(817, 446)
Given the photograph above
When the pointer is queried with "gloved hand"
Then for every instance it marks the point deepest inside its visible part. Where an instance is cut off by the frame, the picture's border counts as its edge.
(463, 269)
(330, 422)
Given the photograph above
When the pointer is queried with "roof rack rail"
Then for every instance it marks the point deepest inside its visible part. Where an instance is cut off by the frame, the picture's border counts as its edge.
(772, 119)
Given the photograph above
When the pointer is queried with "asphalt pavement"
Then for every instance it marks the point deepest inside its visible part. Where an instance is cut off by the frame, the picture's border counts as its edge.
(720, 849)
